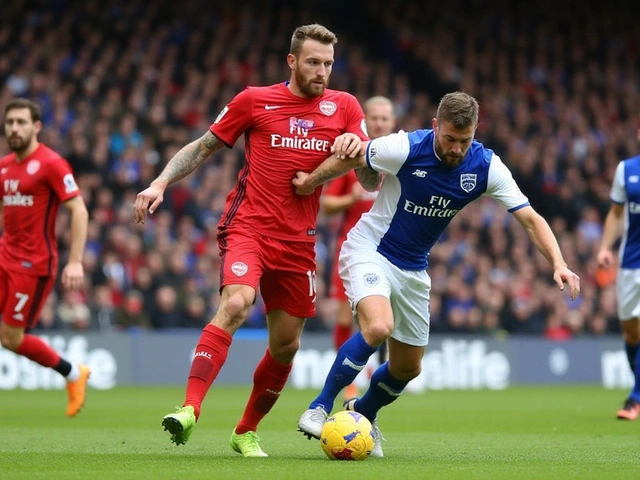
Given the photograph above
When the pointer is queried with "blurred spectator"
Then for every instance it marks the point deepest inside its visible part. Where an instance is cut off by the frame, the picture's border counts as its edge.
(131, 313)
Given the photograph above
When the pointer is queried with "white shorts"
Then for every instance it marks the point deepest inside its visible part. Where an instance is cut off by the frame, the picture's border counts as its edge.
(365, 272)
(628, 292)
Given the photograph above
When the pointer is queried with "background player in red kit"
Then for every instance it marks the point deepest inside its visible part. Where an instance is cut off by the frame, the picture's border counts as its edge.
(34, 181)
(345, 195)
(267, 232)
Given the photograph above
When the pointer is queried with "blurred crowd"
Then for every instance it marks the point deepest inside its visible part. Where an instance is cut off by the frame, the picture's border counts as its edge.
(125, 84)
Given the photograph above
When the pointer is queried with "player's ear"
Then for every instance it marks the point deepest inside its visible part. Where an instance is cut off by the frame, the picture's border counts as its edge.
(291, 61)
(434, 124)
(37, 126)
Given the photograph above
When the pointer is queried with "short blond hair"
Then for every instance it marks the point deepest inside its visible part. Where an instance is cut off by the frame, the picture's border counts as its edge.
(459, 109)
(314, 31)
(377, 100)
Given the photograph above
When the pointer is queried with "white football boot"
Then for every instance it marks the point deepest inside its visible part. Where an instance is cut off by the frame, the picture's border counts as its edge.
(312, 421)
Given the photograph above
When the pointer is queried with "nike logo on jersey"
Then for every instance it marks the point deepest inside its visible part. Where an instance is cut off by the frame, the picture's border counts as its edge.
(271, 107)
(420, 173)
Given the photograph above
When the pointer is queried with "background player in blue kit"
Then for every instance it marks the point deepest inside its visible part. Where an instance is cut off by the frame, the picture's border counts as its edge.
(624, 219)
(430, 176)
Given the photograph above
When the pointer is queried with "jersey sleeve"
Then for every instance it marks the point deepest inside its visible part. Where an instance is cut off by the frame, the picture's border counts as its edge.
(502, 187)
(355, 119)
(234, 119)
(61, 180)
(387, 154)
(618, 192)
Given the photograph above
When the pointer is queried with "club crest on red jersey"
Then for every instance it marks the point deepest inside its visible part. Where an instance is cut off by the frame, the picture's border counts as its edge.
(33, 166)
(328, 108)
(239, 268)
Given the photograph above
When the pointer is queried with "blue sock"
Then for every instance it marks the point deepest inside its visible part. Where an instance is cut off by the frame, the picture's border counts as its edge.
(384, 389)
(635, 393)
(632, 355)
(350, 360)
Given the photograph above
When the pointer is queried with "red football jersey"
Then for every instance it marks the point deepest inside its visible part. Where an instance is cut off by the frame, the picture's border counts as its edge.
(32, 192)
(343, 186)
(283, 134)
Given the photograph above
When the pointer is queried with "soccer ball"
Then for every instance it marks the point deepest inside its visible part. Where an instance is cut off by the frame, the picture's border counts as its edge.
(347, 435)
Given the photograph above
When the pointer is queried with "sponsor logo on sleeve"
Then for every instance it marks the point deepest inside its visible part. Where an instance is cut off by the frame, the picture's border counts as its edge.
(69, 183)
(363, 127)
(221, 114)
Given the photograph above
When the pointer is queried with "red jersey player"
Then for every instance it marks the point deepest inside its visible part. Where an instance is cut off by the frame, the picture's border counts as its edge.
(346, 195)
(267, 232)
(35, 180)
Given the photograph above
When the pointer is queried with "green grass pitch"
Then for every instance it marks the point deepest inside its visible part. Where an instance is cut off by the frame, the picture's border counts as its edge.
(519, 433)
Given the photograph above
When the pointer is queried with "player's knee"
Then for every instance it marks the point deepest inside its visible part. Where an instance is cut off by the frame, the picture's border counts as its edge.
(283, 352)
(376, 332)
(234, 310)
(10, 341)
(406, 372)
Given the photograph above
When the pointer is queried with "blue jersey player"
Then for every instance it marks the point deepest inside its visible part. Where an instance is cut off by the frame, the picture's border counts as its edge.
(429, 176)
(624, 218)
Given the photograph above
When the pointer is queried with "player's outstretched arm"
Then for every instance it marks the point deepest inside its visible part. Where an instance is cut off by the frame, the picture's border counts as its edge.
(368, 178)
(612, 230)
(73, 273)
(545, 241)
(331, 168)
(188, 158)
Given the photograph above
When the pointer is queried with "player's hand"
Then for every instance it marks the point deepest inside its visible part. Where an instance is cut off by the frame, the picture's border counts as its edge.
(563, 275)
(347, 145)
(300, 183)
(73, 276)
(605, 258)
(148, 201)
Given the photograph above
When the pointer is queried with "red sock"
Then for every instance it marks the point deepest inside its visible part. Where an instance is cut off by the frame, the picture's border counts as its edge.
(341, 333)
(269, 379)
(211, 353)
(35, 349)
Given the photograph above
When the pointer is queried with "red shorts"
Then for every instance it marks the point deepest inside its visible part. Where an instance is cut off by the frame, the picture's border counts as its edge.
(22, 297)
(284, 271)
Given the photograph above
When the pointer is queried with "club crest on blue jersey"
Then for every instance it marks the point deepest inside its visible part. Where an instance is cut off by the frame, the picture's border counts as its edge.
(468, 181)
(371, 279)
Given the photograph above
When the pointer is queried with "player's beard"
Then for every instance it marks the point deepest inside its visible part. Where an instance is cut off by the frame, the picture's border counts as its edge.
(447, 160)
(307, 88)
(19, 144)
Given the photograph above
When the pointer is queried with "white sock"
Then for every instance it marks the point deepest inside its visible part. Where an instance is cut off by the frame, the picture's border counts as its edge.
(74, 374)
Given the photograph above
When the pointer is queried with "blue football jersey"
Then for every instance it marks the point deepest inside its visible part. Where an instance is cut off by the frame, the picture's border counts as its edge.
(420, 195)
(626, 191)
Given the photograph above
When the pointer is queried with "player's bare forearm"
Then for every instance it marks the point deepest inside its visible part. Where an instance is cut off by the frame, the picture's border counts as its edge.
(331, 168)
(541, 235)
(368, 178)
(188, 158)
(613, 225)
(79, 227)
